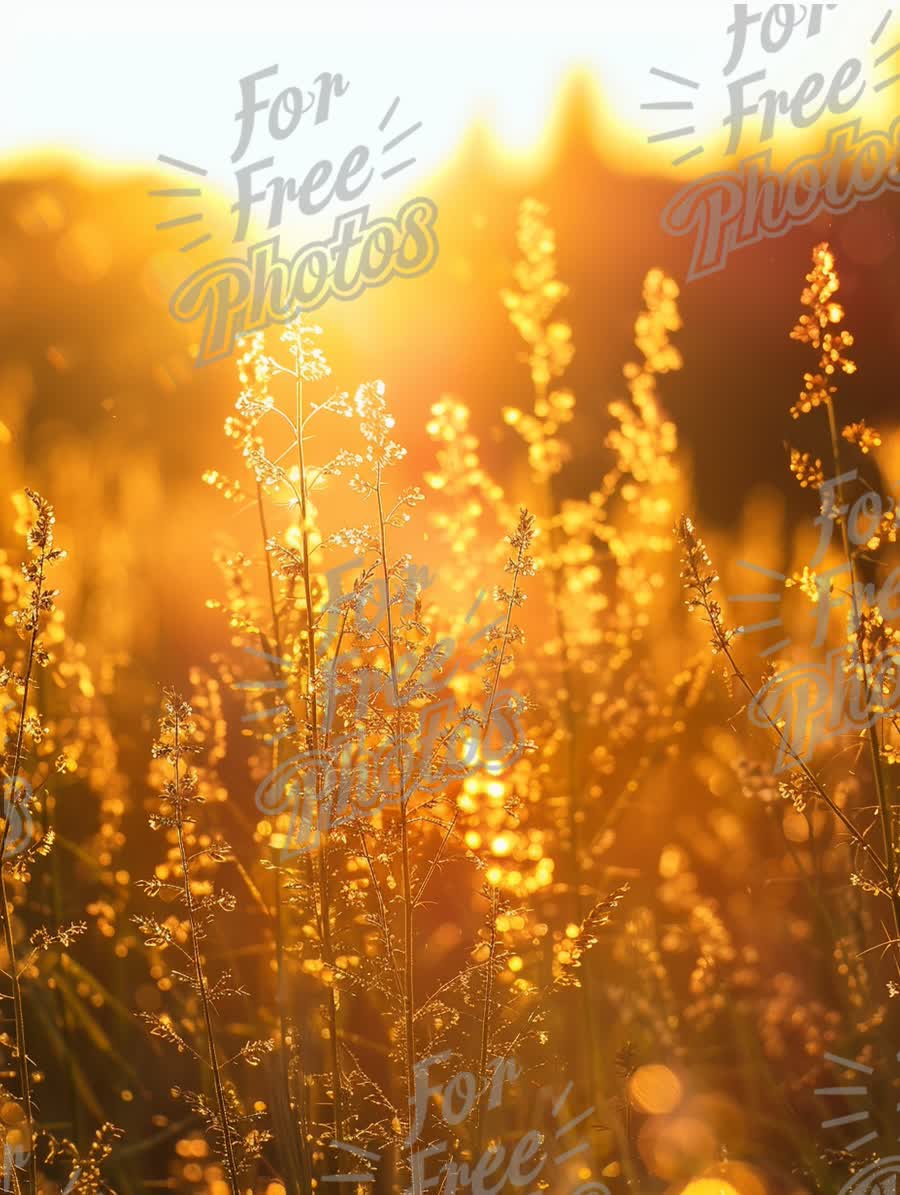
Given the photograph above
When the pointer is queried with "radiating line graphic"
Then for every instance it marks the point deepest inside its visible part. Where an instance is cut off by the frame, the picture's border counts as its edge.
(181, 193)
(759, 626)
(386, 119)
(763, 572)
(848, 1065)
(767, 599)
(201, 240)
(396, 169)
(655, 70)
(566, 1128)
(680, 105)
(180, 165)
(355, 1151)
(178, 220)
(576, 1149)
(692, 153)
(194, 193)
(396, 140)
(558, 1106)
(882, 25)
(269, 682)
(847, 1090)
(862, 1141)
(668, 106)
(842, 1091)
(672, 133)
(584, 1188)
(560, 1101)
(689, 130)
(886, 55)
(173, 192)
(851, 1118)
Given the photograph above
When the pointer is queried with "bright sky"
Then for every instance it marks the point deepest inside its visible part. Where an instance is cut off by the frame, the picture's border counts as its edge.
(126, 81)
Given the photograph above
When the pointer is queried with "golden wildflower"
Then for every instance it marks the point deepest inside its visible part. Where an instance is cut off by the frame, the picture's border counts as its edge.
(549, 344)
(808, 469)
(865, 438)
(807, 582)
(811, 329)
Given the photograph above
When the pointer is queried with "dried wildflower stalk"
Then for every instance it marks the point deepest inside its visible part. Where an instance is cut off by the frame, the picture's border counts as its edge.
(360, 699)
(310, 365)
(85, 1175)
(814, 328)
(498, 658)
(376, 791)
(179, 798)
(28, 620)
(699, 578)
(296, 648)
(600, 558)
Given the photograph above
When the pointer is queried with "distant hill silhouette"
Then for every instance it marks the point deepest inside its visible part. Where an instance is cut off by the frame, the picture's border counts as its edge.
(85, 279)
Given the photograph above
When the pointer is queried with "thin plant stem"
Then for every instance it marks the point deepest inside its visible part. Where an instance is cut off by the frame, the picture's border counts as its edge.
(723, 645)
(200, 972)
(280, 970)
(323, 884)
(501, 660)
(270, 583)
(573, 803)
(884, 804)
(405, 864)
(8, 937)
(485, 1023)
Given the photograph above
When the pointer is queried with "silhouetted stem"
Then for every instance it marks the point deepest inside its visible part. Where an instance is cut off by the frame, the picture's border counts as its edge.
(8, 937)
(884, 805)
(324, 893)
(405, 866)
(200, 975)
